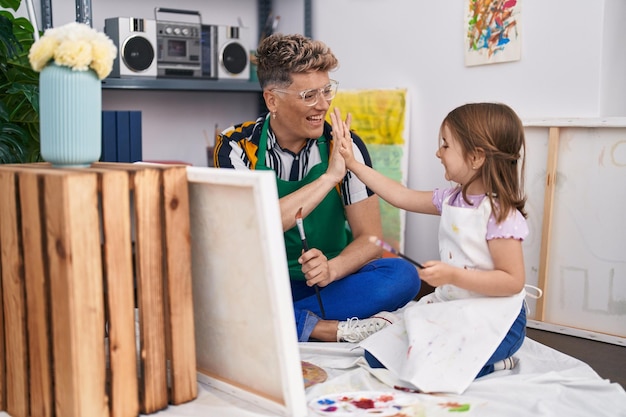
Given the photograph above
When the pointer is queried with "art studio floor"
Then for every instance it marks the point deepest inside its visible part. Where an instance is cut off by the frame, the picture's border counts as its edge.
(605, 358)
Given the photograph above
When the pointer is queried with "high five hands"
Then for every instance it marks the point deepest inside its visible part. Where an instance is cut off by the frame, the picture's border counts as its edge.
(342, 138)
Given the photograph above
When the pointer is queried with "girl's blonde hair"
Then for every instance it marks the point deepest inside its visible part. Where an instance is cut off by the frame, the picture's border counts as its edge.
(498, 131)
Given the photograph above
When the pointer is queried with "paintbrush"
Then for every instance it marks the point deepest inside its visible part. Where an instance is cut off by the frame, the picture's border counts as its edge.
(305, 246)
(386, 246)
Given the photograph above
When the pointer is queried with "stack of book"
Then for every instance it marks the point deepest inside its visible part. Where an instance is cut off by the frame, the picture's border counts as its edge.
(121, 136)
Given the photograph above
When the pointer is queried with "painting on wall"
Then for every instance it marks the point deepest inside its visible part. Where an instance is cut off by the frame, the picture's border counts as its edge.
(379, 118)
(492, 31)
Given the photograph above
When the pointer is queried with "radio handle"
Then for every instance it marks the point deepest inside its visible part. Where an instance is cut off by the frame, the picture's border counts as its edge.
(158, 10)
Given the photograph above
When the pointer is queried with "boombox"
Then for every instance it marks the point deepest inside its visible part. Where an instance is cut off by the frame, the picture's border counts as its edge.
(209, 51)
(179, 46)
(136, 45)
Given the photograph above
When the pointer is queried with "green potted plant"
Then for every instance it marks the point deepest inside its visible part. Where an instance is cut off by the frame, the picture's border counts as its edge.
(19, 89)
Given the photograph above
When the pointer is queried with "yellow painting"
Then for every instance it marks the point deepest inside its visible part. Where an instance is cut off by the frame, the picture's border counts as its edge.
(379, 118)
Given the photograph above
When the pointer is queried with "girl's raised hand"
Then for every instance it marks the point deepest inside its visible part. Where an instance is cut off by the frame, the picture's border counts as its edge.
(341, 128)
(341, 134)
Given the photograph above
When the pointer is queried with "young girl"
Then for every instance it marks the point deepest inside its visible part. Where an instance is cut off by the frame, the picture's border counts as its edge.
(483, 221)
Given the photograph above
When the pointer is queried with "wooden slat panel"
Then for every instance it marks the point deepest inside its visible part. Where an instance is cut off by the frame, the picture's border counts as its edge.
(180, 319)
(37, 295)
(118, 269)
(64, 279)
(149, 265)
(16, 348)
(546, 230)
(2, 352)
(74, 253)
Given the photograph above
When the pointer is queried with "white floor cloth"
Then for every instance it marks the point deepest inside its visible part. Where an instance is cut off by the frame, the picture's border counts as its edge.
(545, 382)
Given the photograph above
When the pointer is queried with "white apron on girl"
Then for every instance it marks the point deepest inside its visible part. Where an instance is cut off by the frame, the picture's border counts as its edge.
(448, 336)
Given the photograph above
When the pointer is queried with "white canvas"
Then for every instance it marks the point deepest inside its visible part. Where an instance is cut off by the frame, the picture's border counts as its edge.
(246, 340)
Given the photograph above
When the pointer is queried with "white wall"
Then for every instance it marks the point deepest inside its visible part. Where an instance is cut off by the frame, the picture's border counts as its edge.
(613, 82)
(419, 45)
(291, 14)
(573, 65)
(212, 11)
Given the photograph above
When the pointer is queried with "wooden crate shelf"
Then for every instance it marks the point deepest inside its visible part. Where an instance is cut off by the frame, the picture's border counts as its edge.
(97, 312)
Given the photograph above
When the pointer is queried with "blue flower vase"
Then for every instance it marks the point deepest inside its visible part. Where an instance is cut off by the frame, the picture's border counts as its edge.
(70, 116)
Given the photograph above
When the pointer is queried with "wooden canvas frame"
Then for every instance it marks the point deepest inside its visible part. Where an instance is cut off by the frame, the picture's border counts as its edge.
(559, 141)
(246, 341)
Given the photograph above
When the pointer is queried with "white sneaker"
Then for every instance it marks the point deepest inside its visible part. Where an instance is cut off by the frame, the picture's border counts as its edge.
(508, 363)
(355, 330)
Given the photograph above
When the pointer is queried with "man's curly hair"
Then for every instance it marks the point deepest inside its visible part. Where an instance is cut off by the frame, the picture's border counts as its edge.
(278, 56)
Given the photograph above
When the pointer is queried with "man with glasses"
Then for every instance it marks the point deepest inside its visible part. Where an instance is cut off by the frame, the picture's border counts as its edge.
(357, 288)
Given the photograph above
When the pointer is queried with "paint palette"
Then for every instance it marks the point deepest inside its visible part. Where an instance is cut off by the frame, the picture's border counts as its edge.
(365, 403)
(312, 374)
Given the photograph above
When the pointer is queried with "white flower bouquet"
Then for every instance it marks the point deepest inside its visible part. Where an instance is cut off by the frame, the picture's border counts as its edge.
(74, 45)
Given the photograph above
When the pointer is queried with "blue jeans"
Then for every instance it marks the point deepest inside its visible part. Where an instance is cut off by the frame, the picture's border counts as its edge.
(384, 284)
(510, 344)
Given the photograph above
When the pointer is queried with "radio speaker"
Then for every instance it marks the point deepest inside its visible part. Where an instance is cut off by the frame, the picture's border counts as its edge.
(233, 53)
(136, 46)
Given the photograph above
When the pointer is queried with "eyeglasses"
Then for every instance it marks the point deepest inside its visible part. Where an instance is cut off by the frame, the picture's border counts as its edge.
(311, 97)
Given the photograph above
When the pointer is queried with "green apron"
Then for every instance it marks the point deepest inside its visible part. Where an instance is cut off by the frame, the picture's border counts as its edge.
(325, 226)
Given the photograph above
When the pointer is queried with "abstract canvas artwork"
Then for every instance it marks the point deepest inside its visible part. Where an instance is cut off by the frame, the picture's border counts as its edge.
(492, 31)
(379, 117)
